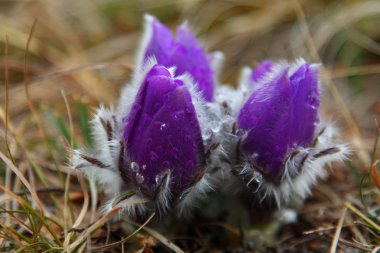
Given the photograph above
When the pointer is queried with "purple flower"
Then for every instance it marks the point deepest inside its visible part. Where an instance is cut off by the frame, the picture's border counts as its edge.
(149, 152)
(280, 117)
(162, 135)
(183, 52)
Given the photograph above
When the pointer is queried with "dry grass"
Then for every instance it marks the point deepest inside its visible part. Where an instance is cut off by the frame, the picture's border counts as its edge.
(80, 53)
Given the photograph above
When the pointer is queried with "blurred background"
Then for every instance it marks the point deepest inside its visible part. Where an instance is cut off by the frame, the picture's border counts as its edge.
(80, 34)
(82, 52)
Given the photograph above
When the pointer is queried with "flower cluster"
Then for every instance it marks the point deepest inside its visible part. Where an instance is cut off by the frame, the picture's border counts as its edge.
(178, 134)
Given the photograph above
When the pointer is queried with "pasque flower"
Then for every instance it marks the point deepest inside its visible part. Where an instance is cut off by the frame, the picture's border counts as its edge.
(182, 52)
(170, 140)
(150, 150)
(284, 146)
(162, 133)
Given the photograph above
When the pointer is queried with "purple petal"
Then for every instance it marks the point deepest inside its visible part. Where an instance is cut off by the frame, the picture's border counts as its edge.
(189, 56)
(160, 43)
(265, 116)
(280, 116)
(163, 132)
(305, 104)
(261, 70)
(184, 52)
(150, 97)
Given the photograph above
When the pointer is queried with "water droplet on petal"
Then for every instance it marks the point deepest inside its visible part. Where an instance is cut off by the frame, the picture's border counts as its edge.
(158, 178)
(139, 178)
(163, 127)
(258, 178)
(254, 156)
(143, 167)
(174, 115)
(135, 167)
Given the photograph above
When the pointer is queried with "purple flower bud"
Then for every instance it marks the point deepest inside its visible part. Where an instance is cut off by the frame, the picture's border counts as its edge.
(280, 117)
(162, 133)
(183, 52)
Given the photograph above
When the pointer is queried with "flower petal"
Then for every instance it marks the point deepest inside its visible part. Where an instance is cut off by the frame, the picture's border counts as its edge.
(305, 104)
(189, 56)
(266, 116)
(163, 132)
(184, 52)
(262, 70)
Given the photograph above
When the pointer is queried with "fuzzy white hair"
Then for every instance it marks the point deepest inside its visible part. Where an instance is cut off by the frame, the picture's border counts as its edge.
(302, 169)
(193, 195)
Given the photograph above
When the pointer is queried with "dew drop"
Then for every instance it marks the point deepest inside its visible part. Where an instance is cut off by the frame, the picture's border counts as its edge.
(158, 178)
(139, 178)
(135, 167)
(258, 178)
(254, 156)
(143, 167)
(174, 115)
(163, 127)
